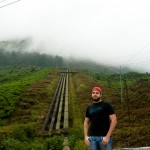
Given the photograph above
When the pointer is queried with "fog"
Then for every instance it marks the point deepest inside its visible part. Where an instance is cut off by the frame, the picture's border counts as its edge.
(114, 32)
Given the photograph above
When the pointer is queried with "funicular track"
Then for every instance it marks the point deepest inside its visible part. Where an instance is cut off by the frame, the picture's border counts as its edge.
(57, 116)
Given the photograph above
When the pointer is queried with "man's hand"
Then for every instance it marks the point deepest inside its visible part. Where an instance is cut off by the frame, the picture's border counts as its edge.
(105, 140)
(87, 140)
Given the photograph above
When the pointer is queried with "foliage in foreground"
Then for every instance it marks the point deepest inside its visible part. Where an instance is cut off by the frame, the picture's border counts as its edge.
(24, 138)
(76, 139)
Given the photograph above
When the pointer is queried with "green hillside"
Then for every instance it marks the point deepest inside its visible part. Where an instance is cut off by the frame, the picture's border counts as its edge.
(26, 93)
(133, 128)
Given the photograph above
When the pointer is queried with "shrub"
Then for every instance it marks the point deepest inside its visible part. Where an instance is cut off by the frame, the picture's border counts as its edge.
(38, 144)
(13, 144)
(55, 143)
(80, 145)
(74, 136)
(24, 132)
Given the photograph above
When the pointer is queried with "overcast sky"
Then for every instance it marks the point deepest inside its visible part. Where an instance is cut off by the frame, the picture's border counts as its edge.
(115, 32)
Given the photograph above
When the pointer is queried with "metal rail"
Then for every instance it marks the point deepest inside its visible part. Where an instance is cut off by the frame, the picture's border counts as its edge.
(66, 123)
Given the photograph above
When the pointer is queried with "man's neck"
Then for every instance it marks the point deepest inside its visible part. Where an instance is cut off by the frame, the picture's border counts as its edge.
(97, 101)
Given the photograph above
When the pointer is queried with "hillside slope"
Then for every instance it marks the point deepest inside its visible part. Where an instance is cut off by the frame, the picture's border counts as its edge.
(133, 128)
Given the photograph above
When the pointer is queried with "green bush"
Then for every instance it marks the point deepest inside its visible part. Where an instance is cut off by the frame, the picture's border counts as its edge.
(38, 144)
(24, 132)
(3, 122)
(80, 145)
(55, 143)
(2, 113)
(74, 136)
(14, 144)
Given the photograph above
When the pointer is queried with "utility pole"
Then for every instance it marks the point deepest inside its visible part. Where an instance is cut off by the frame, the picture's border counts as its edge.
(122, 102)
(128, 102)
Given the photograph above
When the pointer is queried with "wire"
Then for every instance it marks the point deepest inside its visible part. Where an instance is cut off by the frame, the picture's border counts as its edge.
(139, 51)
(10, 3)
(138, 60)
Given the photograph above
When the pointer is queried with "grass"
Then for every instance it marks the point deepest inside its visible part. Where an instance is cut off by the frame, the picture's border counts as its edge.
(10, 92)
(27, 98)
(75, 111)
(30, 111)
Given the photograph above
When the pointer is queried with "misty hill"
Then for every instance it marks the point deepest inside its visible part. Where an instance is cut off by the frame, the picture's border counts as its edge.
(15, 45)
(14, 52)
(95, 67)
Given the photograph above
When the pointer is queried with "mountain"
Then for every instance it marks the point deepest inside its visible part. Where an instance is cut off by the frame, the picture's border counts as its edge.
(17, 52)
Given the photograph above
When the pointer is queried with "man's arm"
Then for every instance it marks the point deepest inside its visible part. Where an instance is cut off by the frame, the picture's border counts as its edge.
(113, 123)
(86, 127)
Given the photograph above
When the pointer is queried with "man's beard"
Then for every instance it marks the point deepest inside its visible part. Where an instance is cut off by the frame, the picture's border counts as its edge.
(96, 100)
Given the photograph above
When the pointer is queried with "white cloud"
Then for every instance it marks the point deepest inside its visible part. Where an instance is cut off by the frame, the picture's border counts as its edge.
(102, 30)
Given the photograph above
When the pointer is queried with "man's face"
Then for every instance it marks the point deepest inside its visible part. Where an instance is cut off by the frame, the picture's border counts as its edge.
(96, 95)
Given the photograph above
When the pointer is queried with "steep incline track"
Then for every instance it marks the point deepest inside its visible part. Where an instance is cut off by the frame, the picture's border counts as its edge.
(57, 116)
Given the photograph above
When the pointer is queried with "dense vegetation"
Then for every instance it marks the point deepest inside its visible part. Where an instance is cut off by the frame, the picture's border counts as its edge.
(26, 92)
(24, 101)
(13, 81)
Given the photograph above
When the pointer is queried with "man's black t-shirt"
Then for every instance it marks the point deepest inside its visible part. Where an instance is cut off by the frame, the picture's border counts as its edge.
(98, 114)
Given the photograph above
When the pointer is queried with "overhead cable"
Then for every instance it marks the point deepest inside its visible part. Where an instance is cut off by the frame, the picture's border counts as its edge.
(10, 3)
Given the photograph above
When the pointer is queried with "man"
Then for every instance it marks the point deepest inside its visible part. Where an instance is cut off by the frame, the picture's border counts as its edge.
(100, 121)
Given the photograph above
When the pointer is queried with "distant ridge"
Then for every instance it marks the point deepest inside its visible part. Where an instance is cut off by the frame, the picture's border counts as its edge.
(19, 48)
